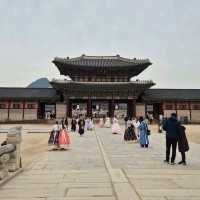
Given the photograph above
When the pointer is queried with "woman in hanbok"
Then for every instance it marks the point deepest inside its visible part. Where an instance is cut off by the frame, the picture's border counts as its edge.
(136, 124)
(64, 138)
(143, 131)
(129, 134)
(81, 126)
(54, 135)
(88, 124)
(91, 124)
(101, 123)
(73, 125)
(107, 122)
(115, 126)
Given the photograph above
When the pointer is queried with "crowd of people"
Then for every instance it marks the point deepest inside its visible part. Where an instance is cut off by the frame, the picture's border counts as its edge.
(136, 131)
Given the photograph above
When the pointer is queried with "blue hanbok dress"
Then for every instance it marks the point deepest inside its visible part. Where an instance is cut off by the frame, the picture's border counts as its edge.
(144, 140)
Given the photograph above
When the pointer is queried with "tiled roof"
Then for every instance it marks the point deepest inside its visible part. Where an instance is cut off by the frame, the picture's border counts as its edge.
(132, 88)
(101, 66)
(27, 93)
(102, 61)
(172, 94)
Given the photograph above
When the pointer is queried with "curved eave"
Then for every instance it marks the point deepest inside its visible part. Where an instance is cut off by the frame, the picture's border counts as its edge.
(129, 69)
(102, 87)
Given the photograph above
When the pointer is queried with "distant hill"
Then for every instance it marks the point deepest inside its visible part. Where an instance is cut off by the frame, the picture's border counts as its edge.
(40, 83)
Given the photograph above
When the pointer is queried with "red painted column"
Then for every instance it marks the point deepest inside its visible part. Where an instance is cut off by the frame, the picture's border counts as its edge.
(23, 107)
(9, 105)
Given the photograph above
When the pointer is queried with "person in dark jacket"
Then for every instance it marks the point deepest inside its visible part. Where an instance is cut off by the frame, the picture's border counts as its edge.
(182, 144)
(171, 126)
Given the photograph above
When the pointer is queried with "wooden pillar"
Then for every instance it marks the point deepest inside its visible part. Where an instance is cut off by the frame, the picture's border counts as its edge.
(89, 107)
(9, 105)
(190, 109)
(111, 108)
(23, 107)
(176, 108)
(68, 107)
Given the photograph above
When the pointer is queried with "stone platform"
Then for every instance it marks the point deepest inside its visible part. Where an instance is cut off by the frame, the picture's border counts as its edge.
(100, 166)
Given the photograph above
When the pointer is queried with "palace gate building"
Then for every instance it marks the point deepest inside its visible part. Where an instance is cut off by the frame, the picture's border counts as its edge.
(98, 86)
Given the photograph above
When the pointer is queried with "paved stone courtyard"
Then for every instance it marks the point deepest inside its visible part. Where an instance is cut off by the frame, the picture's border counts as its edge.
(100, 166)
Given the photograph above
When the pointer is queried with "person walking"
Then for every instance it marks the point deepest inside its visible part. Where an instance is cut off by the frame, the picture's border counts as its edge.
(115, 126)
(172, 127)
(143, 132)
(73, 125)
(66, 123)
(183, 145)
(64, 138)
(126, 120)
(54, 135)
(129, 135)
(81, 126)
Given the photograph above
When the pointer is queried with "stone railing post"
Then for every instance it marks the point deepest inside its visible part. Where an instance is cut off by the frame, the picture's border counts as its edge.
(14, 137)
(3, 166)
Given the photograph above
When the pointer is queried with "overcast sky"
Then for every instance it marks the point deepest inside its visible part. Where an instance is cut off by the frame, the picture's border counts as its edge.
(33, 32)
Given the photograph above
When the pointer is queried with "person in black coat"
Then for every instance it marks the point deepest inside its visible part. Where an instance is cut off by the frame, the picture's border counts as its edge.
(182, 144)
(73, 125)
(81, 124)
(171, 126)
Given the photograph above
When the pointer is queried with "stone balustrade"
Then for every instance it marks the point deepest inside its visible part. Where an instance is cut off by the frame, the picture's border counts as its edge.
(10, 154)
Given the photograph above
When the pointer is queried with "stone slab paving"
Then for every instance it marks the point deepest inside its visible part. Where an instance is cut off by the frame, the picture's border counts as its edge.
(100, 166)
(146, 172)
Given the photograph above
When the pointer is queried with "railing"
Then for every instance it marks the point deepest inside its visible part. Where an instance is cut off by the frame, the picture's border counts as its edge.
(10, 154)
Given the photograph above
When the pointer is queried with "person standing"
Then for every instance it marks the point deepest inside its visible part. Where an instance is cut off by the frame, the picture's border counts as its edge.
(54, 135)
(81, 126)
(126, 120)
(63, 139)
(107, 122)
(115, 126)
(183, 145)
(129, 135)
(171, 126)
(73, 125)
(143, 131)
(136, 124)
(66, 123)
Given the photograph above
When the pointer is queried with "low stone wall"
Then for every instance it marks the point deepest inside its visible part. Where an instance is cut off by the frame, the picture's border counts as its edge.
(10, 154)
(3, 114)
(16, 114)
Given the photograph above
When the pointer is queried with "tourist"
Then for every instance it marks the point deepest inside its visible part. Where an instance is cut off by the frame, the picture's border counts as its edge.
(171, 126)
(81, 125)
(129, 134)
(63, 139)
(182, 144)
(129, 122)
(136, 124)
(53, 138)
(66, 123)
(143, 131)
(115, 126)
(107, 122)
(91, 124)
(125, 120)
(88, 124)
(73, 124)
(101, 123)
